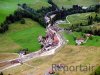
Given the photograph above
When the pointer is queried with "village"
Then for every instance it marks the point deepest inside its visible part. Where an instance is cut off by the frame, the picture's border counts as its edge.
(38, 35)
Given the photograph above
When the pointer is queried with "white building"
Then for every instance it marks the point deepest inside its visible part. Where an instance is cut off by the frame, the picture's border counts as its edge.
(79, 41)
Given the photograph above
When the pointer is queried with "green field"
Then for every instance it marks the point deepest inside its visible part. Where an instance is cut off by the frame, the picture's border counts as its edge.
(39, 4)
(81, 18)
(94, 42)
(69, 3)
(21, 36)
(77, 19)
(9, 6)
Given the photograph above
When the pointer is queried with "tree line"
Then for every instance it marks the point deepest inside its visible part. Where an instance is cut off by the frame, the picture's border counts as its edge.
(63, 12)
(25, 11)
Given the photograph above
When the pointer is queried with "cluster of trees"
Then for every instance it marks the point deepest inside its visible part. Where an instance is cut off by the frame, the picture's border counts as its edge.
(53, 4)
(92, 19)
(97, 71)
(36, 15)
(97, 8)
(16, 16)
(97, 18)
(4, 27)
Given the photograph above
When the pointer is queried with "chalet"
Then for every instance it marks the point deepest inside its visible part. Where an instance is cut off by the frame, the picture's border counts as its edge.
(79, 41)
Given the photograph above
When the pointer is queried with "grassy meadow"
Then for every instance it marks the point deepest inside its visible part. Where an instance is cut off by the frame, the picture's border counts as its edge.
(68, 3)
(21, 36)
(9, 6)
(81, 18)
(77, 18)
(94, 42)
(39, 4)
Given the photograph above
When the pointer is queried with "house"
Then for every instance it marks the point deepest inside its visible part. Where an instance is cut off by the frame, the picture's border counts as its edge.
(47, 19)
(84, 7)
(88, 35)
(40, 38)
(79, 41)
(55, 40)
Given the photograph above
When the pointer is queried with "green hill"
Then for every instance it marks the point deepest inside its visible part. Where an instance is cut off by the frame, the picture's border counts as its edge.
(21, 36)
(9, 6)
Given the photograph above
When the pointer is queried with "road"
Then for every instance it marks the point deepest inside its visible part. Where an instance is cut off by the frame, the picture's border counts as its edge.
(18, 61)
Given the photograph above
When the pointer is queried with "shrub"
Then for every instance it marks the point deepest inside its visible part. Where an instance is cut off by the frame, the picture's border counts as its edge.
(97, 71)
(91, 37)
(22, 21)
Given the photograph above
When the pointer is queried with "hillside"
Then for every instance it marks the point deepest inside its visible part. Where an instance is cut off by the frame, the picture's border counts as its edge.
(68, 55)
(21, 36)
(9, 6)
(68, 3)
(38, 35)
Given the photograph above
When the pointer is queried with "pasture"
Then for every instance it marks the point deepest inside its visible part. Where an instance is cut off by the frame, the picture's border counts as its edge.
(21, 36)
(68, 3)
(39, 4)
(81, 18)
(76, 19)
(94, 42)
(9, 6)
